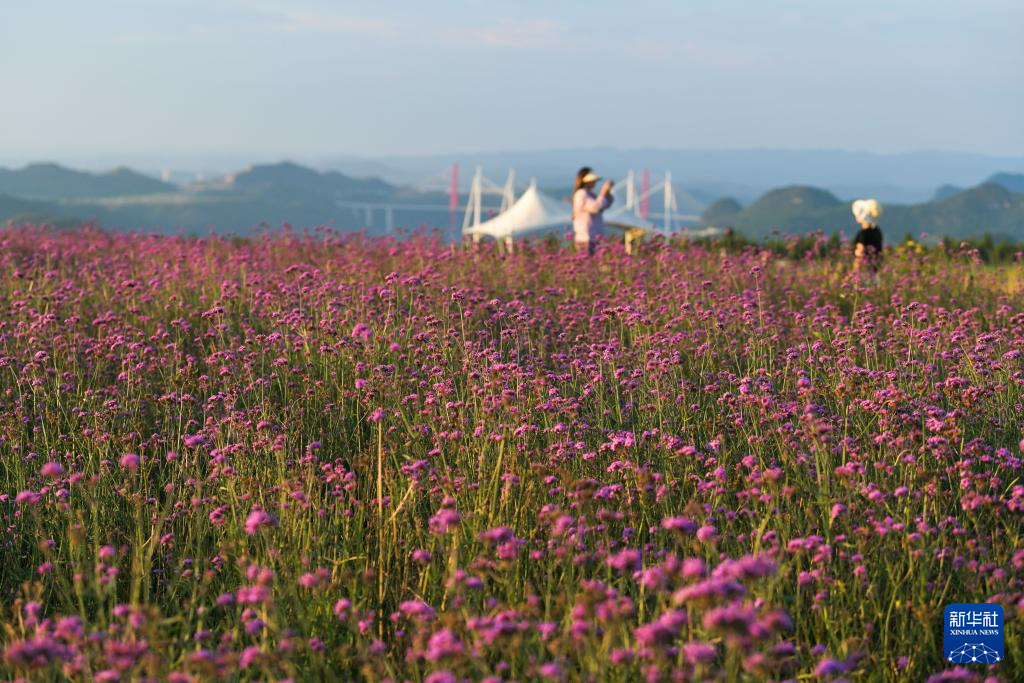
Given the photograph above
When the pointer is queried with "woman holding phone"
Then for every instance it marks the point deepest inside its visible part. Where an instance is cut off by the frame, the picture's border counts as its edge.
(587, 207)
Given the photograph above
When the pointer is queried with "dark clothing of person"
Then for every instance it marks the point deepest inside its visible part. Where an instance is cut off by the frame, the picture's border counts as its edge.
(871, 238)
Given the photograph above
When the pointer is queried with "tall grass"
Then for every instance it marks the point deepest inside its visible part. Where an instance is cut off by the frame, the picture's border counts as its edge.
(338, 459)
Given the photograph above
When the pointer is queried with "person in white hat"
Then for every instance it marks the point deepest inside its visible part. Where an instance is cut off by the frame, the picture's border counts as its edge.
(868, 242)
(587, 207)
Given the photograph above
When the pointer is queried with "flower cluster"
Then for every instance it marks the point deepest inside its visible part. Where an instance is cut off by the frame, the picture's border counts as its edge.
(306, 457)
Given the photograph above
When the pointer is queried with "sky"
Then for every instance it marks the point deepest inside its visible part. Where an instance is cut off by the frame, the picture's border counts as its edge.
(310, 78)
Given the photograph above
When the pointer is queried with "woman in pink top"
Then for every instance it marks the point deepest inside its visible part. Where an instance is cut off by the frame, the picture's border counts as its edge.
(587, 223)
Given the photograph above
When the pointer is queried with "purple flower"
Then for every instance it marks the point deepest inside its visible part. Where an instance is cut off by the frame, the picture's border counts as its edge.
(253, 595)
(444, 644)
(715, 588)
(69, 628)
(625, 560)
(341, 608)
(698, 653)
(130, 461)
(27, 498)
(417, 609)
(550, 670)
(733, 618)
(837, 510)
(257, 520)
(309, 580)
(693, 568)
(36, 652)
(249, 656)
(444, 521)
(497, 535)
(749, 567)
(51, 470)
(829, 667)
(955, 675)
(663, 631)
(362, 331)
(683, 524)
(440, 677)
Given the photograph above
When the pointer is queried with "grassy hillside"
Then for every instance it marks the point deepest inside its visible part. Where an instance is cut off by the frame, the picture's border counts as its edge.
(986, 209)
(51, 181)
(1014, 182)
(263, 195)
(273, 194)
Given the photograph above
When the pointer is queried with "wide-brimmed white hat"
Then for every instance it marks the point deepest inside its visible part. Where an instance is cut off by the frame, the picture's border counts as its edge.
(867, 211)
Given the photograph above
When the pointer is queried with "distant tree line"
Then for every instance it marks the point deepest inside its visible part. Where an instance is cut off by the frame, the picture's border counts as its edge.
(818, 245)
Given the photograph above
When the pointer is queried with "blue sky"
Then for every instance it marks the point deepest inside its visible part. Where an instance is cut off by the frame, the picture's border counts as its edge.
(311, 78)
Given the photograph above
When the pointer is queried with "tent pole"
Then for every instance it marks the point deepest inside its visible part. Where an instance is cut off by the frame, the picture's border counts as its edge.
(508, 197)
(645, 194)
(668, 202)
(473, 185)
(476, 203)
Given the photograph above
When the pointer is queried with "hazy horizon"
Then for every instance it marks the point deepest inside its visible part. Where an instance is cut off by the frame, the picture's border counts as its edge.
(310, 80)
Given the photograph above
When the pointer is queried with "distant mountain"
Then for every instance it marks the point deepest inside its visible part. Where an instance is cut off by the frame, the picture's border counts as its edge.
(18, 209)
(988, 208)
(290, 178)
(51, 181)
(945, 192)
(721, 212)
(272, 194)
(249, 201)
(1014, 182)
(796, 209)
(742, 173)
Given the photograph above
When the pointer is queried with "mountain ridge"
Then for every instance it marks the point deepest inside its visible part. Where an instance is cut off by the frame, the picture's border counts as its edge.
(988, 208)
(47, 180)
(285, 191)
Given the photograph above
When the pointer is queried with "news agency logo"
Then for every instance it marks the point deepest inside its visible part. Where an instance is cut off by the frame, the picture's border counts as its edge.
(974, 633)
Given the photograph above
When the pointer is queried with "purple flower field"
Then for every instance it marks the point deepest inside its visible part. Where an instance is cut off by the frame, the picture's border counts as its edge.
(341, 458)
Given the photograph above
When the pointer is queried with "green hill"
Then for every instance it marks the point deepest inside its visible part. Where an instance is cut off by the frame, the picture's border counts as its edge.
(796, 209)
(51, 181)
(272, 194)
(988, 208)
(18, 210)
(945, 192)
(263, 195)
(721, 212)
(287, 178)
(1014, 182)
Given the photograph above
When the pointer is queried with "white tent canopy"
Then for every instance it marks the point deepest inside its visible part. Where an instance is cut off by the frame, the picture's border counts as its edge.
(625, 218)
(532, 212)
(535, 212)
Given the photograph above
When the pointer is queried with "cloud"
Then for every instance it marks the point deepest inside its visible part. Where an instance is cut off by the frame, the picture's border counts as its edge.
(531, 33)
(320, 22)
(503, 33)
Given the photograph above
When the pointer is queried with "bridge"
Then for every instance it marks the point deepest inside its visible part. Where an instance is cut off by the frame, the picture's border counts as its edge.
(637, 199)
(385, 212)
